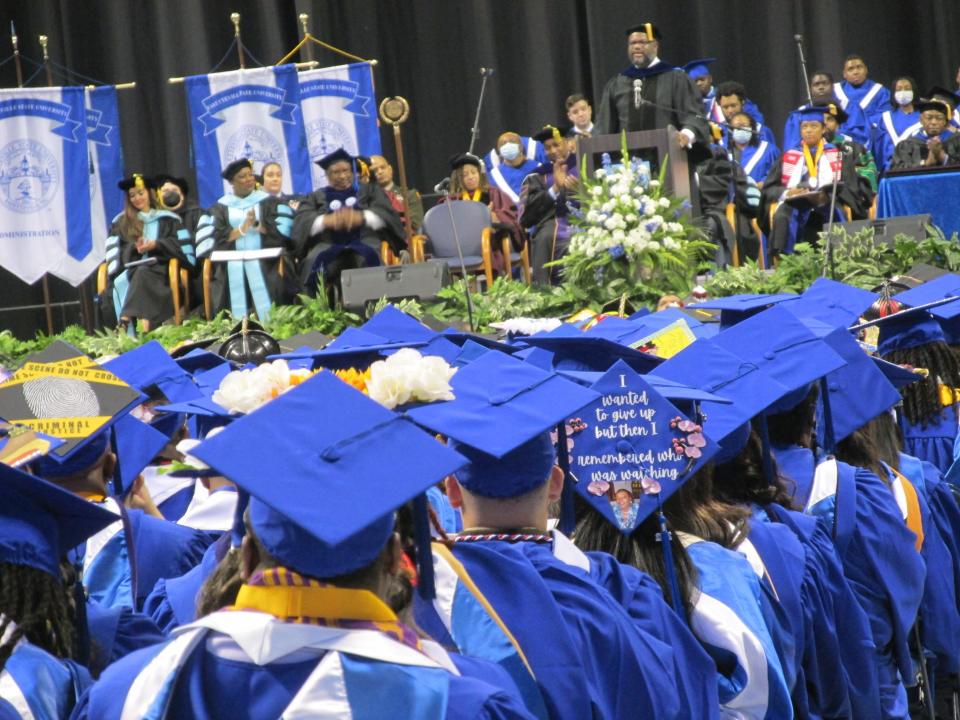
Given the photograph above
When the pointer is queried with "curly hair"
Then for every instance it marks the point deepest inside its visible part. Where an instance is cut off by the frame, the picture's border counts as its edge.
(921, 400)
(742, 480)
(41, 608)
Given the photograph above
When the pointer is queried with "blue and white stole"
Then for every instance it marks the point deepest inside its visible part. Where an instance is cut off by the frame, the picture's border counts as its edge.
(241, 273)
(347, 674)
(106, 571)
(38, 685)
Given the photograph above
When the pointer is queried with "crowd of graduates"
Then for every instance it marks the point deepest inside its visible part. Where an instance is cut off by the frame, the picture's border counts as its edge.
(401, 523)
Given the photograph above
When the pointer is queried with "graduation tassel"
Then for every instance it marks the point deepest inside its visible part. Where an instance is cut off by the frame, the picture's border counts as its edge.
(423, 541)
(568, 517)
(829, 441)
(765, 445)
(665, 537)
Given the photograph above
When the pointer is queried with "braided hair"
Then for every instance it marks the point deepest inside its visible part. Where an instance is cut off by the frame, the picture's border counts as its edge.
(41, 609)
(921, 400)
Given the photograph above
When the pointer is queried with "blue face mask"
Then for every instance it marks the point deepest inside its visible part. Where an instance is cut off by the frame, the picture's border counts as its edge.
(742, 136)
(510, 151)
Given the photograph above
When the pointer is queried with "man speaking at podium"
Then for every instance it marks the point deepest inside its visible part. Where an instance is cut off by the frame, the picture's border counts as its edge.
(651, 94)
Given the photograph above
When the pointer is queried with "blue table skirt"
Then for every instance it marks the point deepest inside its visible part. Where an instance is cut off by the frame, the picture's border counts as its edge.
(937, 194)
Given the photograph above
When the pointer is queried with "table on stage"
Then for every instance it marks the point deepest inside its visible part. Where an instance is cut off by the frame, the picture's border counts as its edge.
(912, 193)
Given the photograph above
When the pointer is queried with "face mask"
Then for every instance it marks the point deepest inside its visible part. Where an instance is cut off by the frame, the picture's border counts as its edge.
(742, 135)
(171, 198)
(510, 151)
(903, 97)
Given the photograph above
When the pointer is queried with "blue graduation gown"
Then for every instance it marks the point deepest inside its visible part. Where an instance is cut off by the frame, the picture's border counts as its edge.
(533, 149)
(162, 548)
(173, 600)
(879, 561)
(509, 179)
(115, 632)
(36, 683)
(838, 650)
(871, 97)
(588, 656)
(892, 127)
(933, 443)
(640, 595)
(221, 681)
(756, 160)
(728, 620)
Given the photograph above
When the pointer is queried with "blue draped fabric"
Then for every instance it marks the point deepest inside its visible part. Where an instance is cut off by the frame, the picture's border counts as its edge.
(934, 193)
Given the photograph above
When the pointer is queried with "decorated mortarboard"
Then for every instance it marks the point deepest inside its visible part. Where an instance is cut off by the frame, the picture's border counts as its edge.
(338, 155)
(699, 68)
(736, 308)
(136, 181)
(350, 524)
(40, 522)
(63, 393)
(632, 439)
(20, 445)
(658, 336)
(462, 159)
(649, 29)
(716, 370)
(231, 170)
(832, 303)
(501, 403)
(554, 132)
(151, 365)
(586, 351)
(782, 346)
(670, 389)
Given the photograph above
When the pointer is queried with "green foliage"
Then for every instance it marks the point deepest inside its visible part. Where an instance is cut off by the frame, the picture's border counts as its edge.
(503, 300)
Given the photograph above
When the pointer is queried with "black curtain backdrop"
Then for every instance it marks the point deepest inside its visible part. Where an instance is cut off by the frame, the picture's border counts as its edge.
(430, 52)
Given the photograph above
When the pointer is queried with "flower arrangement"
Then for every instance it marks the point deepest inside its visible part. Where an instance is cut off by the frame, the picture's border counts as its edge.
(631, 238)
(243, 391)
(407, 376)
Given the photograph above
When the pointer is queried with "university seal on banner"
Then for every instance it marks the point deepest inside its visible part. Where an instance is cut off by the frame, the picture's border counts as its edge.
(255, 144)
(29, 176)
(323, 137)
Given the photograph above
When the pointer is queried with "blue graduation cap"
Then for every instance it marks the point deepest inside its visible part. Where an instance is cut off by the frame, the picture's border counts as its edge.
(461, 338)
(353, 347)
(40, 522)
(737, 308)
(149, 365)
(782, 346)
(907, 329)
(948, 315)
(652, 322)
(394, 325)
(832, 303)
(897, 375)
(719, 371)
(136, 444)
(699, 68)
(812, 112)
(198, 360)
(322, 502)
(586, 351)
(631, 449)
(469, 352)
(20, 445)
(500, 403)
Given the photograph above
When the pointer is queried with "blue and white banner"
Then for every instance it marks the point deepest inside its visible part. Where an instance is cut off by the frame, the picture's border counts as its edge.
(44, 182)
(252, 114)
(105, 165)
(339, 111)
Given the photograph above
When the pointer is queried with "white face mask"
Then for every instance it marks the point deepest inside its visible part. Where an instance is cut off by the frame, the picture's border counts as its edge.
(510, 151)
(903, 97)
(742, 135)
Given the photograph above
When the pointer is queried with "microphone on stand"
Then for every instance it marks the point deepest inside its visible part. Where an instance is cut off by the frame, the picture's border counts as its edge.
(441, 187)
(487, 72)
(637, 89)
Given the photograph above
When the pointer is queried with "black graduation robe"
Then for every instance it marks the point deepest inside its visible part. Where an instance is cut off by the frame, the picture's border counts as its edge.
(912, 151)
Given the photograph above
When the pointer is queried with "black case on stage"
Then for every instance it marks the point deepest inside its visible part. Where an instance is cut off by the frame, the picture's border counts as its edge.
(419, 281)
(886, 229)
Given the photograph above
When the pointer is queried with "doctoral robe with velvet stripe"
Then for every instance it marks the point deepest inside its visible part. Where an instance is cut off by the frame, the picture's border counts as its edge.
(879, 560)
(588, 656)
(218, 679)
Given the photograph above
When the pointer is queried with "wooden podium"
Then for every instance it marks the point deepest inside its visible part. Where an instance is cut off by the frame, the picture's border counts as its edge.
(652, 146)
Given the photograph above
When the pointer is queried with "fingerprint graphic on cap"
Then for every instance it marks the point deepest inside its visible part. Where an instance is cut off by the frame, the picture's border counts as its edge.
(50, 397)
